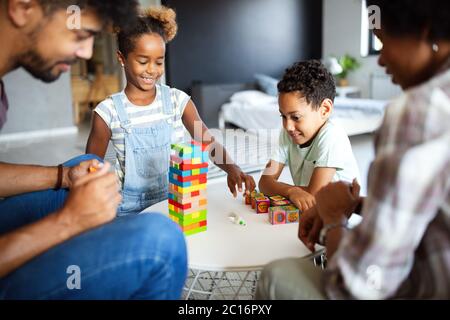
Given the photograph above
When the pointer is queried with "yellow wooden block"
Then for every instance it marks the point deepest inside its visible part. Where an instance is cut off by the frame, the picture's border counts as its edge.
(192, 188)
(196, 160)
(196, 215)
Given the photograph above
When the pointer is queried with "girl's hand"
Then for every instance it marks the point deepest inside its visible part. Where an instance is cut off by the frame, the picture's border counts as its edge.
(301, 199)
(237, 177)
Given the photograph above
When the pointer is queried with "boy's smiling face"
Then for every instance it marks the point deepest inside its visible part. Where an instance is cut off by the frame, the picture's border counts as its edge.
(300, 120)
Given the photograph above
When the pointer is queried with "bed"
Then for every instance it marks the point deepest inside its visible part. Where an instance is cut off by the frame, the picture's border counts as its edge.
(254, 109)
(247, 107)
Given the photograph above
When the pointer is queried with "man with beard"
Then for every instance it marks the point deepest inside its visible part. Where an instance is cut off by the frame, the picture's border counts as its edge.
(70, 248)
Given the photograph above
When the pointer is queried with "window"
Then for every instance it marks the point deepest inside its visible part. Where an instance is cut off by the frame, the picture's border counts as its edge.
(375, 44)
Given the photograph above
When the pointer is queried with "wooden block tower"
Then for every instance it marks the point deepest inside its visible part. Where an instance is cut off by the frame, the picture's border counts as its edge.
(187, 186)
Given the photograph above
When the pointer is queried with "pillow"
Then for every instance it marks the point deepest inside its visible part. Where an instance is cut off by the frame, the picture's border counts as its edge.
(253, 98)
(267, 84)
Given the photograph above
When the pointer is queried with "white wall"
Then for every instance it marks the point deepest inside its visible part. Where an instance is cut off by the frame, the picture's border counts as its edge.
(146, 3)
(342, 34)
(36, 106)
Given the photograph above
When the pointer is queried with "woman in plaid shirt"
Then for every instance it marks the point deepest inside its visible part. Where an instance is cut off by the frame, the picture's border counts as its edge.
(401, 249)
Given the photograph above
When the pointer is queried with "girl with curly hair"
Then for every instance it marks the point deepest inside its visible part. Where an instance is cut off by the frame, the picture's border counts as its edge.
(143, 120)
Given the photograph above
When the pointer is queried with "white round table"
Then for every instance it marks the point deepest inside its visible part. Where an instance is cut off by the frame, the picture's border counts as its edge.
(228, 247)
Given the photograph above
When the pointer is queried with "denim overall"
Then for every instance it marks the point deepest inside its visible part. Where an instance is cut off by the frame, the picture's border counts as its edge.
(147, 154)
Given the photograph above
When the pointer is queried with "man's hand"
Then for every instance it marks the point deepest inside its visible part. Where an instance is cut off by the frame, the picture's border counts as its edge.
(301, 199)
(309, 228)
(92, 201)
(237, 177)
(337, 201)
(71, 175)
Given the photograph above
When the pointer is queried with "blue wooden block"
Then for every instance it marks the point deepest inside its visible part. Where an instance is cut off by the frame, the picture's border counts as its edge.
(179, 183)
(186, 173)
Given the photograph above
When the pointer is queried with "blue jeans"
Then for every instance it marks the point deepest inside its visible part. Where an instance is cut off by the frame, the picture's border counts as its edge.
(133, 257)
(29, 207)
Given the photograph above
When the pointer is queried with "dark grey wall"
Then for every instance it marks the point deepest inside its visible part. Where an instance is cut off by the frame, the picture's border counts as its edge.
(227, 41)
(34, 105)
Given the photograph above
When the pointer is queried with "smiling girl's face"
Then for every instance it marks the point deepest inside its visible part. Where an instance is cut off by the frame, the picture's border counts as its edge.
(144, 65)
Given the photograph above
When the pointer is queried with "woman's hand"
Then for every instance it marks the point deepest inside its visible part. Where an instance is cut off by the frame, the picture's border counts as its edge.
(309, 228)
(337, 201)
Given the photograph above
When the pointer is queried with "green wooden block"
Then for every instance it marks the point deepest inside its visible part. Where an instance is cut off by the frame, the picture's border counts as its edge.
(194, 231)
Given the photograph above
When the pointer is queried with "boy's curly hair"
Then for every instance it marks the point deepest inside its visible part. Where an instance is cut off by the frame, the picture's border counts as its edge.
(160, 20)
(117, 13)
(311, 79)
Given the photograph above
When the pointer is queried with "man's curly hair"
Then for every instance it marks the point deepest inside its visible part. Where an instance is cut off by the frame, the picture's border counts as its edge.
(117, 13)
(311, 79)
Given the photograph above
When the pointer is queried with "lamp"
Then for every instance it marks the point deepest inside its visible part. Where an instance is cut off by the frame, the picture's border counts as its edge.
(332, 64)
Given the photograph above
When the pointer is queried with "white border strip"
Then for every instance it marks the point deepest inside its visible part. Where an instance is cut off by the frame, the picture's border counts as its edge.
(37, 134)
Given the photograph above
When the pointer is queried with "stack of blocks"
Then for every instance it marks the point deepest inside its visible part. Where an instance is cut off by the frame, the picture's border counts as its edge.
(280, 209)
(187, 186)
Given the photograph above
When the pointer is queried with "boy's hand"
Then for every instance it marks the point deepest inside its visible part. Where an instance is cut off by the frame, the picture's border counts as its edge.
(71, 175)
(92, 201)
(301, 199)
(237, 177)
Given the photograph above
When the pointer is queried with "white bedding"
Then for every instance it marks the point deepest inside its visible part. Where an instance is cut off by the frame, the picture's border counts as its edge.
(254, 109)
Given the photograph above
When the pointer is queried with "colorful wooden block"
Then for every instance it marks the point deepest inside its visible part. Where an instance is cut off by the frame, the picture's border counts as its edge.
(187, 203)
(185, 151)
(184, 166)
(277, 198)
(186, 173)
(188, 178)
(194, 231)
(203, 146)
(278, 203)
(182, 147)
(277, 215)
(187, 211)
(185, 184)
(192, 226)
(248, 199)
(187, 197)
(186, 219)
(184, 190)
(292, 213)
(262, 204)
(254, 195)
